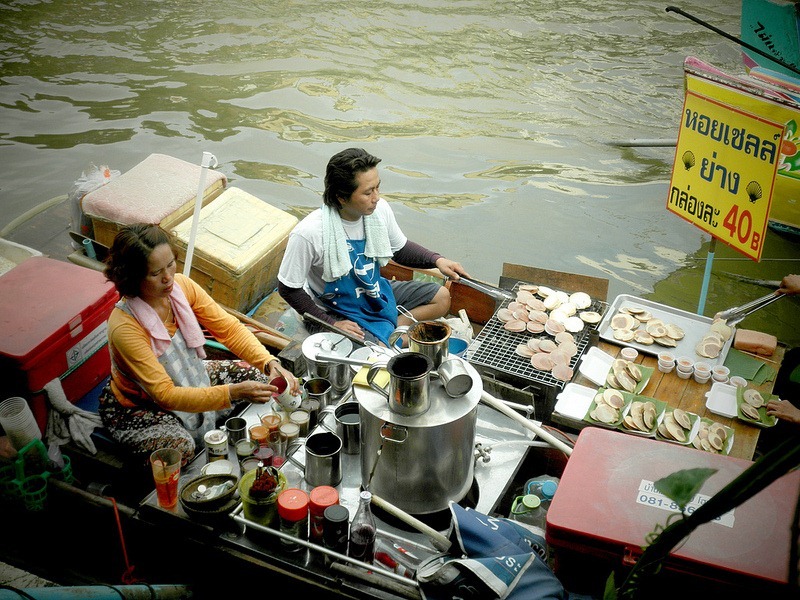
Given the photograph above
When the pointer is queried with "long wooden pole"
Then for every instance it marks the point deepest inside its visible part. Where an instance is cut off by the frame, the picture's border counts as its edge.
(267, 335)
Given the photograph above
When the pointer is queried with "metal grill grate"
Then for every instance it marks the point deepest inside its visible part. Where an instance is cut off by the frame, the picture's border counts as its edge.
(494, 348)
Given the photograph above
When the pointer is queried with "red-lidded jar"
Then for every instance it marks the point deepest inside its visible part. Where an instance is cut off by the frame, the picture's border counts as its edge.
(321, 497)
(293, 514)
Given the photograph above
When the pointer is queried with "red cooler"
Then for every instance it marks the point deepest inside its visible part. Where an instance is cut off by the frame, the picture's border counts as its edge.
(53, 323)
(606, 505)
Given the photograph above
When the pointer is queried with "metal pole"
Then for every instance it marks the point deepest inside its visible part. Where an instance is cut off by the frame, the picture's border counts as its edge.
(208, 159)
(706, 276)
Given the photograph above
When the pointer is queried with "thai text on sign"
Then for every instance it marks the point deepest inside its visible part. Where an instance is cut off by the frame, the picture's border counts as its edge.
(725, 165)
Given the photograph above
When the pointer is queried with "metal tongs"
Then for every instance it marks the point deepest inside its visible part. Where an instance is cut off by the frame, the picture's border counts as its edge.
(734, 315)
(489, 290)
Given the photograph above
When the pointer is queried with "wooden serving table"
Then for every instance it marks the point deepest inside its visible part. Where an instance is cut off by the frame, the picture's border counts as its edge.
(688, 395)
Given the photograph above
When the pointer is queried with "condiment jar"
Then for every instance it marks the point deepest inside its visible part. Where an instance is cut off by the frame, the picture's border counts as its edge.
(293, 516)
(320, 498)
(335, 528)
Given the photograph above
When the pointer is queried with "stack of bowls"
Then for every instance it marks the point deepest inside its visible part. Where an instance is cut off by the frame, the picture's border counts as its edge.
(685, 367)
(702, 372)
(666, 362)
(720, 373)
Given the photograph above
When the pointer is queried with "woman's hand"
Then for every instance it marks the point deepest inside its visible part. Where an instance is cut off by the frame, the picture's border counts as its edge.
(252, 391)
(790, 285)
(785, 410)
(276, 369)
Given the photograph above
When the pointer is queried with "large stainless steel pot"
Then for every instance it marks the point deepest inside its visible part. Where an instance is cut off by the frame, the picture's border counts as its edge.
(425, 460)
(339, 374)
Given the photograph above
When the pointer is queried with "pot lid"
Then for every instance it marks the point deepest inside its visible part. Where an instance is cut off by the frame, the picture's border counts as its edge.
(328, 342)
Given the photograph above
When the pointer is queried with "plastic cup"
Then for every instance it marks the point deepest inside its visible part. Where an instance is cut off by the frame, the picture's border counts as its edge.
(683, 374)
(629, 353)
(666, 357)
(685, 365)
(259, 433)
(284, 397)
(703, 368)
(666, 368)
(700, 378)
(720, 373)
(166, 466)
(18, 422)
(271, 421)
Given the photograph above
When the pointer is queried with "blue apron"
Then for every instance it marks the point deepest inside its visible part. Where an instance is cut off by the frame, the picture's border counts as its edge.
(363, 295)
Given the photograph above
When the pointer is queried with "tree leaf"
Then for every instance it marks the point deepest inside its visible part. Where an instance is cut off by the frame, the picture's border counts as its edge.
(610, 592)
(681, 486)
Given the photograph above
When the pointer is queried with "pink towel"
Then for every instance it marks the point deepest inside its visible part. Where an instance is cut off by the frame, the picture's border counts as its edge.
(184, 315)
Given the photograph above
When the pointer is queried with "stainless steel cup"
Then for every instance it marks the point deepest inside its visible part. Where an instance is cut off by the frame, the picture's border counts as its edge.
(319, 389)
(409, 382)
(323, 454)
(237, 430)
(455, 378)
(348, 425)
(431, 338)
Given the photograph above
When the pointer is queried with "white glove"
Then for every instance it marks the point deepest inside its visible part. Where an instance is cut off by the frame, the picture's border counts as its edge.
(79, 423)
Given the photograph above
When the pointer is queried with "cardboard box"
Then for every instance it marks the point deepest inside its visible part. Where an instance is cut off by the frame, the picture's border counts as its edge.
(238, 248)
(606, 505)
(160, 189)
(53, 323)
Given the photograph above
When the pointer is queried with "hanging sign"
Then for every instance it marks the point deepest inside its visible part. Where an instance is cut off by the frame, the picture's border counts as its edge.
(724, 171)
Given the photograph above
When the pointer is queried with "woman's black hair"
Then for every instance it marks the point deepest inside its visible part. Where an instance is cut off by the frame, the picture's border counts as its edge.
(340, 176)
(126, 265)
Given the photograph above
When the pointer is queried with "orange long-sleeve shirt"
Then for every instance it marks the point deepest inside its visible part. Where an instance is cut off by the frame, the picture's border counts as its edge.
(138, 378)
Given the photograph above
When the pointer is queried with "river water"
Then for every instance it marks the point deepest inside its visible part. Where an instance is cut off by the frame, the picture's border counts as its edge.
(495, 120)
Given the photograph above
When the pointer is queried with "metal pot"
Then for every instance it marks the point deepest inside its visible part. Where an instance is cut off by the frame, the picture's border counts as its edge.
(339, 374)
(422, 462)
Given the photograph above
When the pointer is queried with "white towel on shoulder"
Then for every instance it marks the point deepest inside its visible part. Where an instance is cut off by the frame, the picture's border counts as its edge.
(336, 258)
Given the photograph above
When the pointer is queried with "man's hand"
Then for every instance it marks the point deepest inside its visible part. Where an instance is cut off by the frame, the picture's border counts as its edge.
(350, 327)
(451, 268)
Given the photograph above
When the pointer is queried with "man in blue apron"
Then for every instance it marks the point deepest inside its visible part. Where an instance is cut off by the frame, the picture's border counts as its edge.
(331, 267)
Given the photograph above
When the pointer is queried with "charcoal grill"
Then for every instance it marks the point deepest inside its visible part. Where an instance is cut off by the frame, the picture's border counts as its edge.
(493, 354)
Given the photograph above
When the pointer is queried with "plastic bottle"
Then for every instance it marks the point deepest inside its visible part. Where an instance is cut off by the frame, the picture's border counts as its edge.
(544, 486)
(363, 531)
(528, 509)
(320, 498)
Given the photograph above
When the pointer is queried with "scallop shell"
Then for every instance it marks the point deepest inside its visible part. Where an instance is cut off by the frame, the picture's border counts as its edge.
(562, 372)
(753, 398)
(515, 326)
(605, 414)
(581, 300)
(590, 316)
(682, 418)
(623, 335)
(622, 321)
(750, 411)
(505, 315)
(640, 336)
(613, 398)
(542, 361)
(534, 327)
(564, 337)
(574, 324)
(524, 350)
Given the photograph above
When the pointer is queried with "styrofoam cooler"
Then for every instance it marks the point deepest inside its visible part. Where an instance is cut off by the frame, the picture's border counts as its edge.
(53, 323)
(606, 505)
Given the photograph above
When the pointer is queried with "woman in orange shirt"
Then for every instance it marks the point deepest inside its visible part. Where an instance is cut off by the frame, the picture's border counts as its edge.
(162, 392)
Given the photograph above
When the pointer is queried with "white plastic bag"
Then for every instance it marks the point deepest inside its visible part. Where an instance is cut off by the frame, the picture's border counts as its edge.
(90, 180)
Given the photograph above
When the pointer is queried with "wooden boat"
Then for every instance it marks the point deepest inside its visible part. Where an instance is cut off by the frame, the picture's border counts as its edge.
(213, 557)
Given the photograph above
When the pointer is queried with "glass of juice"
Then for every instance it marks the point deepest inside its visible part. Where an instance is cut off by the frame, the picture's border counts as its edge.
(166, 466)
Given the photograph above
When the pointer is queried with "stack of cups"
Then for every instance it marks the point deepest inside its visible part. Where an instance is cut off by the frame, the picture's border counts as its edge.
(685, 367)
(720, 373)
(738, 381)
(666, 362)
(702, 372)
(18, 422)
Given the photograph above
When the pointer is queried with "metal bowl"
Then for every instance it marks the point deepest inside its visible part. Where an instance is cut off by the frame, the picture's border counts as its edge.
(194, 497)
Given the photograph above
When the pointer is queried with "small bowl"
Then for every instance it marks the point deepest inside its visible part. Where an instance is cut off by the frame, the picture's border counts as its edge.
(683, 374)
(667, 357)
(720, 371)
(685, 364)
(738, 381)
(666, 368)
(702, 367)
(188, 499)
(629, 353)
(700, 378)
